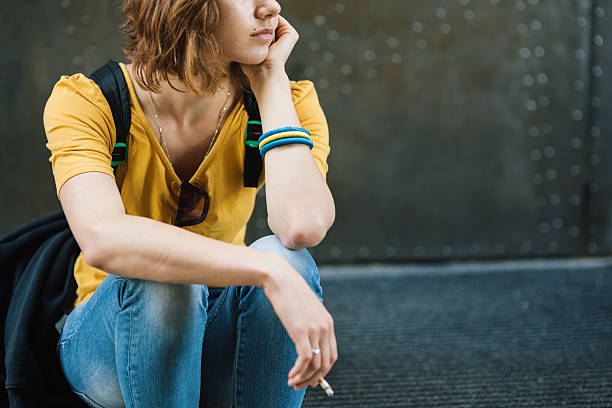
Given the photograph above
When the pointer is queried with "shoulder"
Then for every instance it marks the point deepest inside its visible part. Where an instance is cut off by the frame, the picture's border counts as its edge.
(75, 92)
(76, 100)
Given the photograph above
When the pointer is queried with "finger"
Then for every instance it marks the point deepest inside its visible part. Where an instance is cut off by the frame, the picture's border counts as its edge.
(304, 356)
(315, 363)
(282, 22)
(334, 346)
(311, 368)
(321, 367)
(325, 360)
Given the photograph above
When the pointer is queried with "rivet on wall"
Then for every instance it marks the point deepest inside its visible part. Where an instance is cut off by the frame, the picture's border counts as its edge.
(557, 223)
(555, 199)
(573, 231)
(576, 143)
(421, 43)
(419, 251)
(335, 251)
(320, 20)
(597, 71)
(577, 115)
(549, 151)
(575, 200)
(575, 170)
(542, 78)
(526, 246)
(596, 102)
(364, 252)
(391, 250)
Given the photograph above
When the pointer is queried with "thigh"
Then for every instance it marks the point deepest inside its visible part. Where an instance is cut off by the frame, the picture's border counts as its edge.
(86, 347)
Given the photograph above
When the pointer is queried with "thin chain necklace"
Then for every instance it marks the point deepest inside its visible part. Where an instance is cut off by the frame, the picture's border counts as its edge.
(161, 137)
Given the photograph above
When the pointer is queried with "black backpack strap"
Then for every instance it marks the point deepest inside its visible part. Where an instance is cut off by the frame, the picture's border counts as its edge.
(112, 83)
(252, 160)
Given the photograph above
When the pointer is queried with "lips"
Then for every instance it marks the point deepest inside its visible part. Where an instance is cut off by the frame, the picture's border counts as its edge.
(265, 34)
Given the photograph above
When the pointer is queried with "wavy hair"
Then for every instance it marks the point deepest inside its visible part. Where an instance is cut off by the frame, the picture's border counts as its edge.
(176, 38)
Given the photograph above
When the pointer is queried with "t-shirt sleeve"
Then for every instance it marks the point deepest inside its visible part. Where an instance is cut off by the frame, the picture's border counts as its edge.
(79, 128)
(312, 118)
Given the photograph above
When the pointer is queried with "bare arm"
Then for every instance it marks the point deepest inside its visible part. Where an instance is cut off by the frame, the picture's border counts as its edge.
(299, 202)
(138, 247)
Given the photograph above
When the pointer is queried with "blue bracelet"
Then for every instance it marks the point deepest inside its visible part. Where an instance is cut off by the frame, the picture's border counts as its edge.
(288, 140)
(283, 129)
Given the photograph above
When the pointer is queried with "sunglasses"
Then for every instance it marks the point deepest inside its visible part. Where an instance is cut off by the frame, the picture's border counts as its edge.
(193, 204)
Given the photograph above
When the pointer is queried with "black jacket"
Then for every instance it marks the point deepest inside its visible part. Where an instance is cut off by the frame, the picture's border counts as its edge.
(36, 286)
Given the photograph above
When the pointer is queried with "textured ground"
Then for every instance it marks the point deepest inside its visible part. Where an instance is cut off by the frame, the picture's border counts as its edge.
(497, 334)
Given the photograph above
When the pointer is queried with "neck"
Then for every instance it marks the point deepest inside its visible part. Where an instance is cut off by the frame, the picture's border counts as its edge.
(185, 106)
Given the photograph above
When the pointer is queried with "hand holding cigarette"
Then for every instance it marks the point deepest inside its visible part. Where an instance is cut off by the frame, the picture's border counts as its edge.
(325, 385)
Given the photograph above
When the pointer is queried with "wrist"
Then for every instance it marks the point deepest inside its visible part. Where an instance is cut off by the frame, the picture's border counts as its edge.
(268, 78)
(268, 270)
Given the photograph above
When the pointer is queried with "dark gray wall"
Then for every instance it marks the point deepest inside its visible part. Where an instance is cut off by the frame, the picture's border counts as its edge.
(459, 128)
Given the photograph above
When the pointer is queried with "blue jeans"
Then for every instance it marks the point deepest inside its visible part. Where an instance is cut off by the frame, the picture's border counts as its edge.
(140, 343)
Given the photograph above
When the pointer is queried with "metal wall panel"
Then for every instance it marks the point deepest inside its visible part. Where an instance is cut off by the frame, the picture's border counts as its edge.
(459, 128)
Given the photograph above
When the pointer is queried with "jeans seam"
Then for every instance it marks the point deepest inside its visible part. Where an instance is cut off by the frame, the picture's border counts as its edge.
(237, 368)
(129, 357)
(81, 319)
(218, 305)
(87, 399)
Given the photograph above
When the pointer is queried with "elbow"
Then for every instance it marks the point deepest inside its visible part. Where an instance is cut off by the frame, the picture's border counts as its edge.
(304, 234)
(94, 245)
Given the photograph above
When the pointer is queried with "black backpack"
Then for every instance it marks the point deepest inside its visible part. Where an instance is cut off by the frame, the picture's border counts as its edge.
(37, 284)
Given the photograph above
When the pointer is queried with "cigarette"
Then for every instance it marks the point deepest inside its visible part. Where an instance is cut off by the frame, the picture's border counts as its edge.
(325, 385)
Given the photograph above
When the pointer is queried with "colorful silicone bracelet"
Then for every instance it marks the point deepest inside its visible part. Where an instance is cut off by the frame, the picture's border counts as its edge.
(281, 142)
(282, 135)
(283, 129)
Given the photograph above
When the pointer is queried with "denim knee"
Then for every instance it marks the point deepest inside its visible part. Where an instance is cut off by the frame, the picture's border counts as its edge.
(165, 303)
(300, 259)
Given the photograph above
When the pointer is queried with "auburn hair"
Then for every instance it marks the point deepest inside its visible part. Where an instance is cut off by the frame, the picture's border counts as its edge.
(176, 38)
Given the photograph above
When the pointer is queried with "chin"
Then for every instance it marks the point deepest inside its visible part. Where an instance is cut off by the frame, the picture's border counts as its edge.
(255, 57)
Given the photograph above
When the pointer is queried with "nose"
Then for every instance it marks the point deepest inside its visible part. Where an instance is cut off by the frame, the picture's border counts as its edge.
(267, 9)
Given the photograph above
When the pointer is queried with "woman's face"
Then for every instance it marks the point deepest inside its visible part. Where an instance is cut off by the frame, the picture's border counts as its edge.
(246, 29)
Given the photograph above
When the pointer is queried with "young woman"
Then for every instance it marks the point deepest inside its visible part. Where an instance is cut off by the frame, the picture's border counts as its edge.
(172, 310)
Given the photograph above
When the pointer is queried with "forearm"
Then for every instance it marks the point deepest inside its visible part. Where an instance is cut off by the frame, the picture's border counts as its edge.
(138, 247)
(299, 203)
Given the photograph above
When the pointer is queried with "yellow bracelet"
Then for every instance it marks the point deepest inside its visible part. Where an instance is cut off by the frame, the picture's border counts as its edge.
(283, 135)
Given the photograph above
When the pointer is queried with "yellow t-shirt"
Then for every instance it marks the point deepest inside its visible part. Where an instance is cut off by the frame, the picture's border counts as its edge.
(81, 135)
